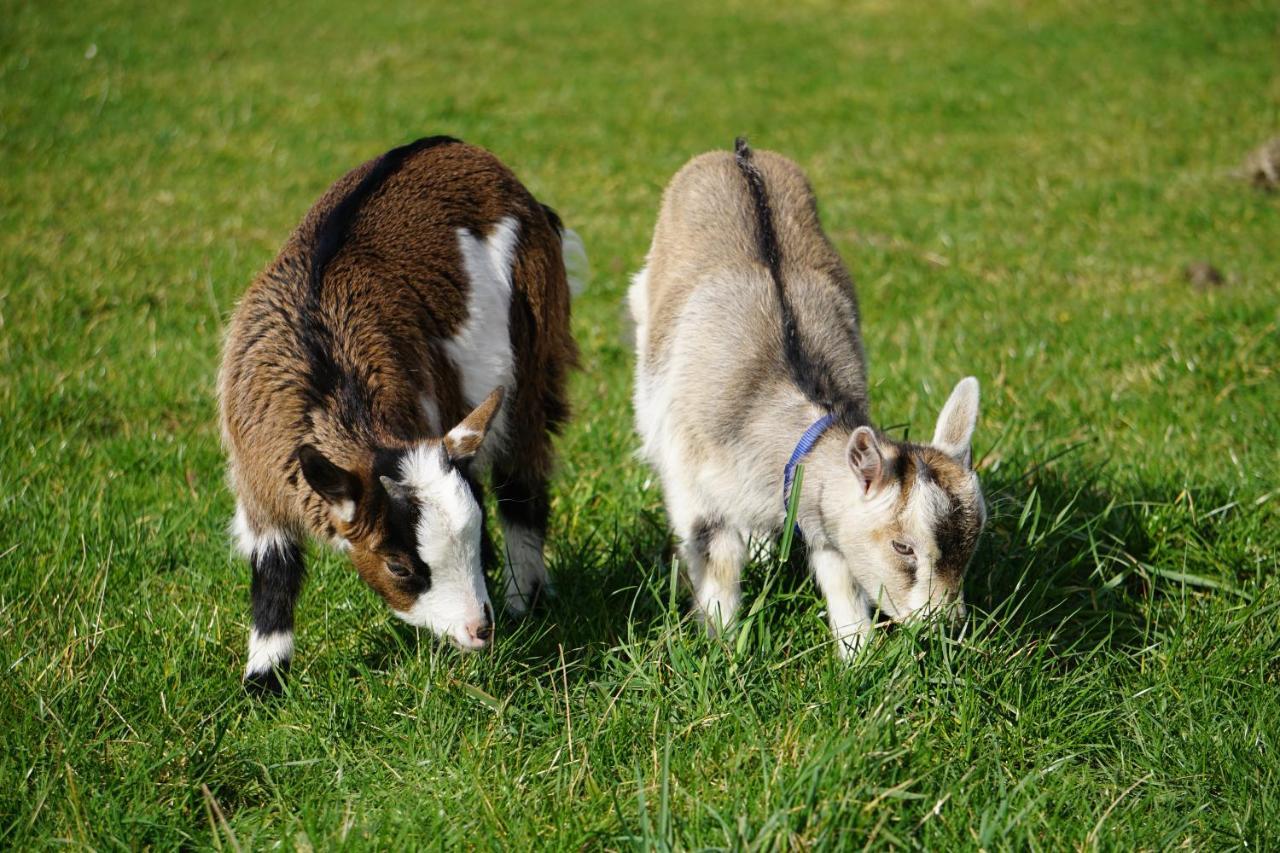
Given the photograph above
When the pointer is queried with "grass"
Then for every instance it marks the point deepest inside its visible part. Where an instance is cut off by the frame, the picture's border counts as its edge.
(1016, 188)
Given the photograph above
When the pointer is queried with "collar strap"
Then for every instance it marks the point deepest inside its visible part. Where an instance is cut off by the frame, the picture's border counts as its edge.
(803, 446)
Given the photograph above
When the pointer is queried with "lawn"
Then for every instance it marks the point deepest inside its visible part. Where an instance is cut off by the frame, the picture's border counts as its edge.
(1017, 189)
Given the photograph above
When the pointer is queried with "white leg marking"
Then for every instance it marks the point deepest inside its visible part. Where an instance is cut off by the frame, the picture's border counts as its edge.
(248, 541)
(526, 567)
(242, 538)
(847, 608)
(274, 649)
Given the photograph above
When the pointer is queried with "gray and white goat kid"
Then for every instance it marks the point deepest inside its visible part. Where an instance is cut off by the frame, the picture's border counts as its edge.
(411, 335)
(749, 359)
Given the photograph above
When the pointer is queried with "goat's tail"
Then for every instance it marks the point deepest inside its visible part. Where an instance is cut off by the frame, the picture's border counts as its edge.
(577, 267)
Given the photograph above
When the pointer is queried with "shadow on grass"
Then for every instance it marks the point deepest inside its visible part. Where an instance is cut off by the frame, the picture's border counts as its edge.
(1064, 560)
(1057, 559)
(605, 592)
(1068, 556)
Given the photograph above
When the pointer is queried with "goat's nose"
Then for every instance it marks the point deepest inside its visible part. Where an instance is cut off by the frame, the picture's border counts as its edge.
(482, 629)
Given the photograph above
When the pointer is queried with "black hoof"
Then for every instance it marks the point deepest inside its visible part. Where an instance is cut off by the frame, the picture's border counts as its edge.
(269, 682)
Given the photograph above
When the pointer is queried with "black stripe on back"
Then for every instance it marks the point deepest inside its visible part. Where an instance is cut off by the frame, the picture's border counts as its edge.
(332, 230)
(807, 371)
(331, 381)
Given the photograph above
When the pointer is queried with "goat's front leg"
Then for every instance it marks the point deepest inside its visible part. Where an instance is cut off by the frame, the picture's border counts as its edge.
(276, 560)
(713, 555)
(848, 609)
(523, 510)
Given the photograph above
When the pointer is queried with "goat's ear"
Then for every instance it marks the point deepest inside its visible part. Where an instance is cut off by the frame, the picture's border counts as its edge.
(865, 457)
(465, 439)
(954, 433)
(395, 490)
(338, 486)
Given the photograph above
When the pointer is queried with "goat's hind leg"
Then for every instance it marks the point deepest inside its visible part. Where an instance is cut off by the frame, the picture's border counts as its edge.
(275, 558)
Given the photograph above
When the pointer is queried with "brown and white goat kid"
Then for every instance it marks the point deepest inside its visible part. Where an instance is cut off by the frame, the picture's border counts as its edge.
(750, 359)
(413, 332)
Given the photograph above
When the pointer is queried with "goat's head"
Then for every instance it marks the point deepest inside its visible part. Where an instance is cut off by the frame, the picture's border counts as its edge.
(909, 522)
(413, 526)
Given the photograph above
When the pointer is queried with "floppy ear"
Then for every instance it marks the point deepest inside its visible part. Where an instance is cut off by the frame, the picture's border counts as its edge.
(465, 439)
(865, 457)
(338, 486)
(954, 433)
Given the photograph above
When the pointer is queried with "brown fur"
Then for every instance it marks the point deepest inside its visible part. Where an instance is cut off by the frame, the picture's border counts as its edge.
(957, 531)
(392, 292)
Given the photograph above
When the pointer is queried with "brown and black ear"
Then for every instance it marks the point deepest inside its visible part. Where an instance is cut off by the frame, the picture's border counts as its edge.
(865, 457)
(337, 486)
(464, 440)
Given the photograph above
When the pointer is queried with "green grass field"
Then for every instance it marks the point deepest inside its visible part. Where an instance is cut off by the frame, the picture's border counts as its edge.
(1016, 188)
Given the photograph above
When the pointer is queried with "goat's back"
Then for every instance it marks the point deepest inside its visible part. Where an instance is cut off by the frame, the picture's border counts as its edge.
(338, 340)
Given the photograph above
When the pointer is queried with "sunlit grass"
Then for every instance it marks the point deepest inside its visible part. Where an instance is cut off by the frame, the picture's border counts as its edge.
(1016, 190)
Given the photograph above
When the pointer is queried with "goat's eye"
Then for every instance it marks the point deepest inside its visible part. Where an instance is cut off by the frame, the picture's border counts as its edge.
(400, 570)
(903, 548)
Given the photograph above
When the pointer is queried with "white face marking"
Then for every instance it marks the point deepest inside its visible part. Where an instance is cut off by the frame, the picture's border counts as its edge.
(884, 575)
(448, 541)
(481, 350)
(862, 518)
(266, 651)
(926, 508)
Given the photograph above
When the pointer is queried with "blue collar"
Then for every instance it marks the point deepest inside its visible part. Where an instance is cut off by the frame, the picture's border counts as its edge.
(803, 446)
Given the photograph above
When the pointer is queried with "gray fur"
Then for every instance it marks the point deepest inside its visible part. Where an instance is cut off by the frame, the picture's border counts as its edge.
(720, 410)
